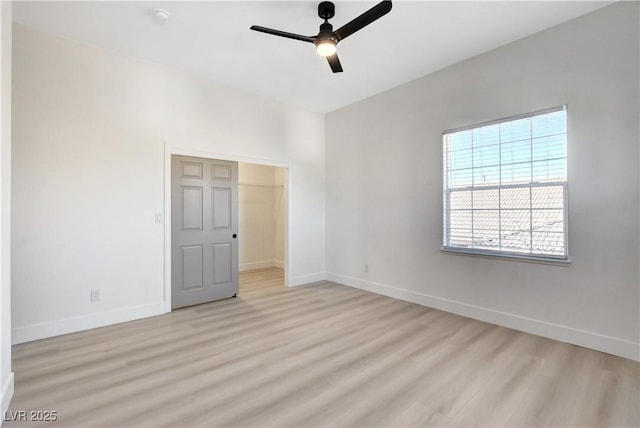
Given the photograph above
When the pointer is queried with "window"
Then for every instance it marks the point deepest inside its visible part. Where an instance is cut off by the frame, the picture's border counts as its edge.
(505, 186)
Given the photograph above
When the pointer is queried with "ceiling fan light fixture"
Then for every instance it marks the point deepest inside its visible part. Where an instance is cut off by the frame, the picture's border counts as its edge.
(326, 47)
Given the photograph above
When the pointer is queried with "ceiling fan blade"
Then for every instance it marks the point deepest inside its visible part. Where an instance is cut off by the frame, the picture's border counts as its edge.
(334, 63)
(363, 20)
(283, 34)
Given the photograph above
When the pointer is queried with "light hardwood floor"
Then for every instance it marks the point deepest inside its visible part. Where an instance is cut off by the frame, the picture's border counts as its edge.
(321, 355)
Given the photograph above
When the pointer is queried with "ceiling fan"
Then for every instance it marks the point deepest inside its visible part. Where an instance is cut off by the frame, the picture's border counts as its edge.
(327, 39)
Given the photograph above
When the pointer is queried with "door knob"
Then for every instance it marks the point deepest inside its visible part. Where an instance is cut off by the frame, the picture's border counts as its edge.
(234, 236)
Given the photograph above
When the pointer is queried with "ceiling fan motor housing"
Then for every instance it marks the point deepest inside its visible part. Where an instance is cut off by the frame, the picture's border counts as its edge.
(326, 33)
(326, 36)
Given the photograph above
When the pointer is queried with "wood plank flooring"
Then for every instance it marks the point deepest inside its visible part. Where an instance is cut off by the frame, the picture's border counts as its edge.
(320, 355)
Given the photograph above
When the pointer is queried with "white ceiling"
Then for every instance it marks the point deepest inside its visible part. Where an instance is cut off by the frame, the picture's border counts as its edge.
(213, 39)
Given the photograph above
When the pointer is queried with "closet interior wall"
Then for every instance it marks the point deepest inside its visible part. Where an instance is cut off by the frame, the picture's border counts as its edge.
(262, 211)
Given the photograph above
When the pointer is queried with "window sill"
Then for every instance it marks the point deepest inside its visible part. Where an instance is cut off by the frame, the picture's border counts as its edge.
(512, 257)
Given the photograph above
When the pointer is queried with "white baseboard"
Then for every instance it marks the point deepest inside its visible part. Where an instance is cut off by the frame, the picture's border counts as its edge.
(307, 279)
(85, 322)
(587, 339)
(261, 265)
(5, 396)
(257, 265)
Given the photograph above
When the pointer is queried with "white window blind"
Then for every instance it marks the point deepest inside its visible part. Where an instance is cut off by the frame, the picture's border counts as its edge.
(505, 186)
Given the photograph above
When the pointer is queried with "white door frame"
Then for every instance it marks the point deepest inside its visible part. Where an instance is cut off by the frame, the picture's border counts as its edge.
(203, 153)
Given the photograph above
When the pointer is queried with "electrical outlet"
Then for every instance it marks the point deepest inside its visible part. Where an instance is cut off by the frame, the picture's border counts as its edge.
(366, 268)
(95, 295)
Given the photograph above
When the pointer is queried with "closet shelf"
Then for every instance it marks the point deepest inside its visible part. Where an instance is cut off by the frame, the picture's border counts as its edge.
(278, 186)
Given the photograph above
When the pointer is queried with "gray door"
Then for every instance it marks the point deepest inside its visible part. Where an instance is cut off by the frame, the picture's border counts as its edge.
(204, 222)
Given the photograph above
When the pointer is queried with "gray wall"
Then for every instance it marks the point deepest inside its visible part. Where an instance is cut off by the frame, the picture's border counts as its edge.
(384, 185)
(6, 376)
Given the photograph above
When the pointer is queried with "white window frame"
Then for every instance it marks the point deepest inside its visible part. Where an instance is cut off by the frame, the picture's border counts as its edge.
(504, 253)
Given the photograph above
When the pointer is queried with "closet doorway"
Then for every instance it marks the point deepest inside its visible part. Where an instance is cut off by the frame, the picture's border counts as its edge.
(262, 216)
